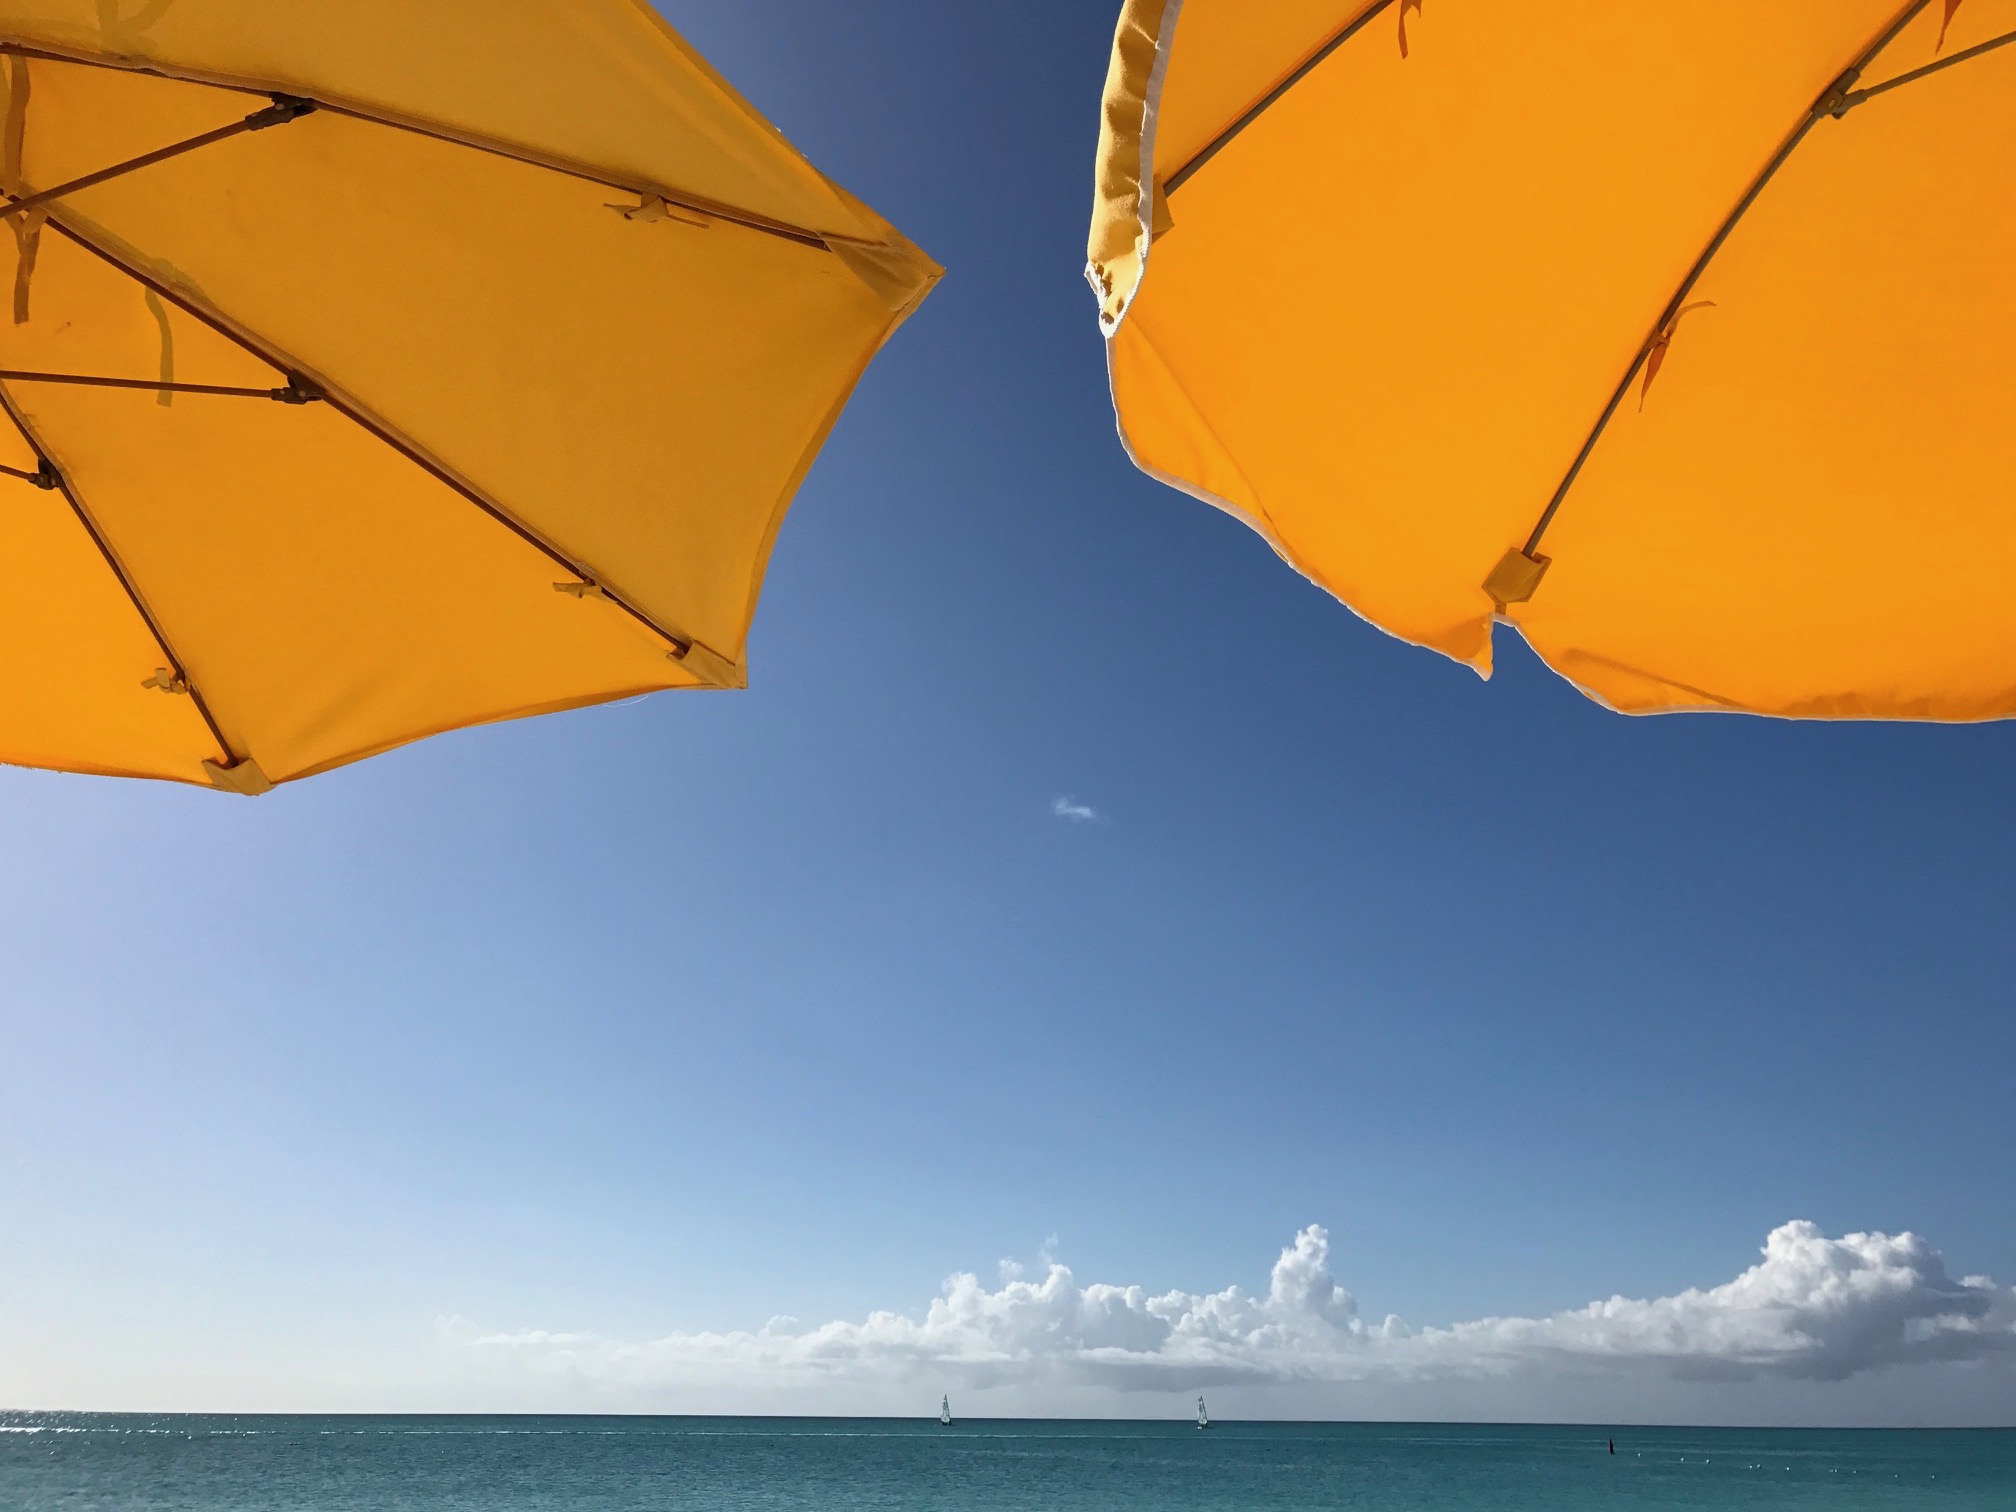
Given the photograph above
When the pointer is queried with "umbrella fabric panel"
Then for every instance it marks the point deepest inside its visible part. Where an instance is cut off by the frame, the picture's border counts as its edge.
(1404, 292)
(642, 394)
(325, 597)
(1811, 515)
(1380, 312)
(1233, 56)
(74, 656)
(519, 371)
(600, 83)
(1249, 48)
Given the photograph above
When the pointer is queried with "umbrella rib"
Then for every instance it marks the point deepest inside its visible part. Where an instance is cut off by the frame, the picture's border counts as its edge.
(1828, 104)
(1260, 107)
(284, 108)
(1855, 97)
(42, 477)
(749, 220)
(476, 142)
(58, 479)
(298, 391)
(681, 645)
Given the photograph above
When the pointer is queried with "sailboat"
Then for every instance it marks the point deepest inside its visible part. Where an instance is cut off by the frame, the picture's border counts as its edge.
(1203, 1417)
(945, 1412)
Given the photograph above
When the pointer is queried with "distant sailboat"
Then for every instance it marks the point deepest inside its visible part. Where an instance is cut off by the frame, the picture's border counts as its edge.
(945, 1412)
(1203, 1417)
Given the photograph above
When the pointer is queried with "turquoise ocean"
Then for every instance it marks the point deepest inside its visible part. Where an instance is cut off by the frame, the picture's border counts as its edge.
(138, 1463)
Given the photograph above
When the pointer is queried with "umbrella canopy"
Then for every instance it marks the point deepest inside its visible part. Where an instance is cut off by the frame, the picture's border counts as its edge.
(1681, 336)
(414, 365)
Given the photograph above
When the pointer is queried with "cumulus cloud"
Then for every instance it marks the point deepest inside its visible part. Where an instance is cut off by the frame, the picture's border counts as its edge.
(1070, 808)
(1813, 1308)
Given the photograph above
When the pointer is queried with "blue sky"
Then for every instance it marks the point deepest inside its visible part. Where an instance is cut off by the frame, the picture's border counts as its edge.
(680, 1014)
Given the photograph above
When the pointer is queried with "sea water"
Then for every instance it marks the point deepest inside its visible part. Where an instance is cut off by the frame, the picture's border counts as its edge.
(135, 1463)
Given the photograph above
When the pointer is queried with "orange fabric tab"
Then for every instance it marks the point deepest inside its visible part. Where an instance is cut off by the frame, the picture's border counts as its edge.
(1944, 22)
(1655, 358)
(1406, 6)
(243, 776)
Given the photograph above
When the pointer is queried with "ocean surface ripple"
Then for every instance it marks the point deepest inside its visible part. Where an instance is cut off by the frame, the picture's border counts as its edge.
(188, 1463)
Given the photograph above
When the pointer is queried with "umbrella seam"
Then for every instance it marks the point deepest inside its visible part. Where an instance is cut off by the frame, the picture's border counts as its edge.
(120, 574)
(384, 432)
(474, 141)
(1829, 99)
(1717, 704)
(63, 765)
(814, 447)
(655, 19)
(505, 716)
(1267, 101)
(1259, 523)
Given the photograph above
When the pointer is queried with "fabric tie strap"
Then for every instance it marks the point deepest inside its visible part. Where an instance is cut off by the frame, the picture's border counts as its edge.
(27, 227)
(1406, 6)
(1944, 22)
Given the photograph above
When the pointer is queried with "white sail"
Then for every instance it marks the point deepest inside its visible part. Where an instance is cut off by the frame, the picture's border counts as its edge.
(945, 1412)
(1203, 1417)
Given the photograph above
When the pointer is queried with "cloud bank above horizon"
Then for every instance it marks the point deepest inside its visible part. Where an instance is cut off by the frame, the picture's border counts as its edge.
(1813, 1309)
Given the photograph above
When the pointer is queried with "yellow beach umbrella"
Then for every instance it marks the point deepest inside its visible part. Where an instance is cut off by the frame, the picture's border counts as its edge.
(1681, 336)
(382, 367)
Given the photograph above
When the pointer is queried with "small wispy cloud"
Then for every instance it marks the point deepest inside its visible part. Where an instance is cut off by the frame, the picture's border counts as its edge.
(1814, 1308)
(1071, 809)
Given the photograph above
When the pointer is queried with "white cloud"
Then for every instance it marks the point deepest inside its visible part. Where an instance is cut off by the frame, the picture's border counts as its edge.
(1814, 1308)
(1070, 808)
